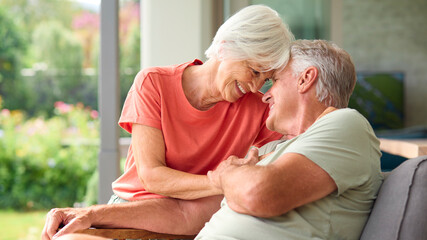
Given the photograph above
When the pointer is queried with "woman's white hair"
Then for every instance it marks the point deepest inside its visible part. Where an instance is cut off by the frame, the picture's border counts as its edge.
(256, 33)
(336, 72)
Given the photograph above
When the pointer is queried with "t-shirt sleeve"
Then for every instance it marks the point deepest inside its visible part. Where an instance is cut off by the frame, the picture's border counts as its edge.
(265, 135)
(143, 103)
(341, 146)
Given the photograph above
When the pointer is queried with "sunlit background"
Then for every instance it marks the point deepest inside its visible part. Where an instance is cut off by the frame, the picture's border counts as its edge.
(49, 123)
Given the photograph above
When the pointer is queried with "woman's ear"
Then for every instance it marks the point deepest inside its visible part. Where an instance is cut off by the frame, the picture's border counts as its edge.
(307, 79)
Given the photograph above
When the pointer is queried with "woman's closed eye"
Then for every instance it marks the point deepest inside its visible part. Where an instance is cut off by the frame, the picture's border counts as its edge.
(255, 72)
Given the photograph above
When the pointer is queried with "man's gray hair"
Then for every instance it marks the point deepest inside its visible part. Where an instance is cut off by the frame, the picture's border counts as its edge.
(336, 71)
(257, 34)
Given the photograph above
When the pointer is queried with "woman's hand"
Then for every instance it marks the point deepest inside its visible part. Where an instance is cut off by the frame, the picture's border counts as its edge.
(230, 163)
(73, 219)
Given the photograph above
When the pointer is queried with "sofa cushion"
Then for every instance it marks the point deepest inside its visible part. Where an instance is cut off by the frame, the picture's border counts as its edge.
(400, 211)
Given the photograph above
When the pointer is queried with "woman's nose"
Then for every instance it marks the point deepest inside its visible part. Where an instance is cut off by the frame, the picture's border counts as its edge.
(254, 86)
(267, 96)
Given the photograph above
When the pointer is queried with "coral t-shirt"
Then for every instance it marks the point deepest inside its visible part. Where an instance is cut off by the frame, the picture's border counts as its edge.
(195, 141)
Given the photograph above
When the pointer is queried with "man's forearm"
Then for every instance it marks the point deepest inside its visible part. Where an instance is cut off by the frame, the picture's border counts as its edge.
(240, 185)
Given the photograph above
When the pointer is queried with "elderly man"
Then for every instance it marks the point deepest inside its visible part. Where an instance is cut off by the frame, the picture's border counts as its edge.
(319, 184)
(322, 181)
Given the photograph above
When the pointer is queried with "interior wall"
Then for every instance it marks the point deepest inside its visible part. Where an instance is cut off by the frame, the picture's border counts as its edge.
(390, 35)
(175, 32)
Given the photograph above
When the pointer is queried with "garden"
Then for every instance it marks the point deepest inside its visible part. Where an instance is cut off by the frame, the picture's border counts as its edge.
(49, 123)
(46, 163)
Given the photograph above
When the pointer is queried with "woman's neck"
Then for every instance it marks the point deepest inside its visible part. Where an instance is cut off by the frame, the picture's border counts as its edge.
(198, 83)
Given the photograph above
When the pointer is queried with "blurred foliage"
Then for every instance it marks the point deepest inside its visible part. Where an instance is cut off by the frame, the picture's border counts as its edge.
(129, 60)
(57, 47)
(58, 77)
(49, 55)
(47, 163)
(12, 46)
(130, 38)
(58, 44)
(27, 15)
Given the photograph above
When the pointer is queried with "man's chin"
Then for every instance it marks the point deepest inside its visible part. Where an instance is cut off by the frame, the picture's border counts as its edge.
(269, 124)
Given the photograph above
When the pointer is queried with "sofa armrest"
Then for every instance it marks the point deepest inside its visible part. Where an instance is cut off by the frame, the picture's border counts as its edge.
(400, 210)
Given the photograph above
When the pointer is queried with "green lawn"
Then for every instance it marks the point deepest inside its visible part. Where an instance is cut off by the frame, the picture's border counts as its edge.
(21, 225)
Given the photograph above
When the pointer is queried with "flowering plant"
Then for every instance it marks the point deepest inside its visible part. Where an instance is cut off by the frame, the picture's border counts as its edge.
(46, 163)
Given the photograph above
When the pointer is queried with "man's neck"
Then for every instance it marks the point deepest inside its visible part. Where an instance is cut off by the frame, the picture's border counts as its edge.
(307, 117)
(327, 110)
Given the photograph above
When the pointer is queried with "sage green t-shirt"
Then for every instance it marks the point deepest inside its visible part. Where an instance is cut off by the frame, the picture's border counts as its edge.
(344, 145)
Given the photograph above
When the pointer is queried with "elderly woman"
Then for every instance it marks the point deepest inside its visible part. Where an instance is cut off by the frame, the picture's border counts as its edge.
(185, 119)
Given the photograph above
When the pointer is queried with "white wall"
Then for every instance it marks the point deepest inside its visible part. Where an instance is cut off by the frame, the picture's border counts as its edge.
(175, 32)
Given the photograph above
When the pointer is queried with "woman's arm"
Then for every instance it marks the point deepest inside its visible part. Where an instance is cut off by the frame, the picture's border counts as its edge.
(164, 215)
(149, 152)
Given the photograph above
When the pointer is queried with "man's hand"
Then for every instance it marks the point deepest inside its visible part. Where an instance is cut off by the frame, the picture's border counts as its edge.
(73, 218)
(231, 163)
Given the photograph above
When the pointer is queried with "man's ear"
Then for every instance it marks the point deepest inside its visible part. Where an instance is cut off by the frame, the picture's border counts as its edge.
(307, 78)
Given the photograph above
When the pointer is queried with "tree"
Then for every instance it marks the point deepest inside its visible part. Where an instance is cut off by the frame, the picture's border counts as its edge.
(18, 91)
(12, 46)
(60, 78)
(57, 46)
(29, 14)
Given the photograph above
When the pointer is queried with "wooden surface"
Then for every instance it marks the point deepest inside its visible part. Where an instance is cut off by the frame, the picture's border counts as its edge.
(408, 148)
(123, 233)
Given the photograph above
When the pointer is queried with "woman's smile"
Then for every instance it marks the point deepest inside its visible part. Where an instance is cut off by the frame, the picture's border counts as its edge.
(240, 89)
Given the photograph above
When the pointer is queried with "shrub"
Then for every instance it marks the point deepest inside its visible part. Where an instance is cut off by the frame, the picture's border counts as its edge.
(47, 163)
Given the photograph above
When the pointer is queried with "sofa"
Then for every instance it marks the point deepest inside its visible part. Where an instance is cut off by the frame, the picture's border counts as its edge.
(399, 212)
